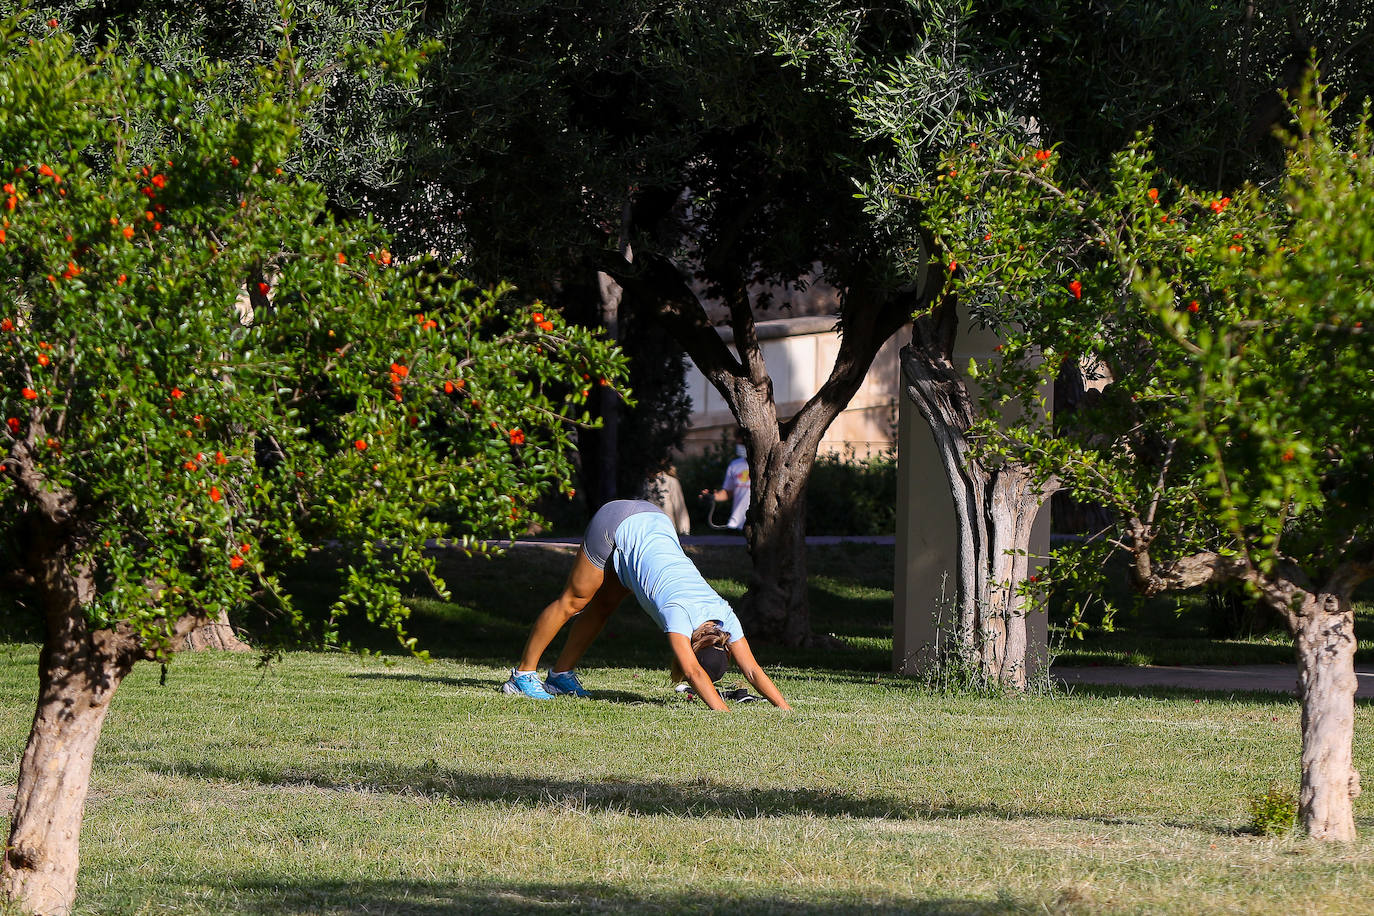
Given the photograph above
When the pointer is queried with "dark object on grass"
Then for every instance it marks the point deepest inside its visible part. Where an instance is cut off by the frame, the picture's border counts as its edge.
(738, 695)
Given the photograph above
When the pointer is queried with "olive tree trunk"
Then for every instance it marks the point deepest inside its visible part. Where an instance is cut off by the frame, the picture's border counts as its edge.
(995, 506)
(781, 451)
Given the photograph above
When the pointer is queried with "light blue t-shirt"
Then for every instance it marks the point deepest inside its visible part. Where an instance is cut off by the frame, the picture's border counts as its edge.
(650, 562)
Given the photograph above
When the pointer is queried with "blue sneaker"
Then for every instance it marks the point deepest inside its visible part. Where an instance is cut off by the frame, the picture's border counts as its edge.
(565, 682)
(525, 685)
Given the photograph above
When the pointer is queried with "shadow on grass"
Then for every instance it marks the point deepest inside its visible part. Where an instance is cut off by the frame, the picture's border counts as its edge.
(439, 680)
(897, 683)
(696, 799)
(287, 896)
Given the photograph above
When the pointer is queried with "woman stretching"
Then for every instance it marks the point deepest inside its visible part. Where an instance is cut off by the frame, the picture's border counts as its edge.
(631, 546)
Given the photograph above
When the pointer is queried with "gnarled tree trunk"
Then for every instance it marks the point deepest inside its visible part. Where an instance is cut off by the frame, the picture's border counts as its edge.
(217, 634)
(995, 507)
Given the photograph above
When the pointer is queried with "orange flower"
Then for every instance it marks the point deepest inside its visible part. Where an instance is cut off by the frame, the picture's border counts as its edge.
(360, 445)
(43, 359)
(264, 288)
(1193, 306)
(517, 437)
(128, 232)
(177, 394)
(6, 325)
(29, 394)
(448, 388)
(235, 562)
(9, 188)
(13, 423)
(190, 465)
(1077, 289)
(160, 181)
(400, 370)
(220, 459)
(215, 494)
(244, 549)
(10, 203)
(537, 317)
(2, 236)
(121, 279)
(341, 258)
(953, 266)
(1153, 195)
(543, 325)
(233, 162)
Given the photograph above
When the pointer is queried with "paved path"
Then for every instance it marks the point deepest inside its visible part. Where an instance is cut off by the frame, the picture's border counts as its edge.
(1230, 679)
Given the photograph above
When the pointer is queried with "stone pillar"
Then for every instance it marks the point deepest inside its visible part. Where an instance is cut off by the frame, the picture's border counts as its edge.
(925, 589)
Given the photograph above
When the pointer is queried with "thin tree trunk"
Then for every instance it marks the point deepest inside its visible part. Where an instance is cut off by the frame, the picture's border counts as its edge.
(79, 671)
(1323, 626)
(1325, 640)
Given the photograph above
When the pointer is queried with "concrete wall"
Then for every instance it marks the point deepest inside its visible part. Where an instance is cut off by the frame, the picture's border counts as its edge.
(799, 353)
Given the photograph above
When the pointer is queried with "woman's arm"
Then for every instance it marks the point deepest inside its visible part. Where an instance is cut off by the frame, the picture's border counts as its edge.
(749, 667)
(698, 678)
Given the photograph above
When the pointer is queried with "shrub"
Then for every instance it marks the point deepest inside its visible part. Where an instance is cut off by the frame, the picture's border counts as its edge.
(1274, 811)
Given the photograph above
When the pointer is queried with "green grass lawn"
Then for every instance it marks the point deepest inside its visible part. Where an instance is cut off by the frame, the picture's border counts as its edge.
(338, 784)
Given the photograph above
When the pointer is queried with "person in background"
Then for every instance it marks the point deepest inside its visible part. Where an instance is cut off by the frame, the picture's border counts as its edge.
(665, 491)
(735, 486)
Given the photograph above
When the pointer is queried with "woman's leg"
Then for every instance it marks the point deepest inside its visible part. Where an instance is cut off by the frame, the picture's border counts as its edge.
(584, 582)
(591, 621)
